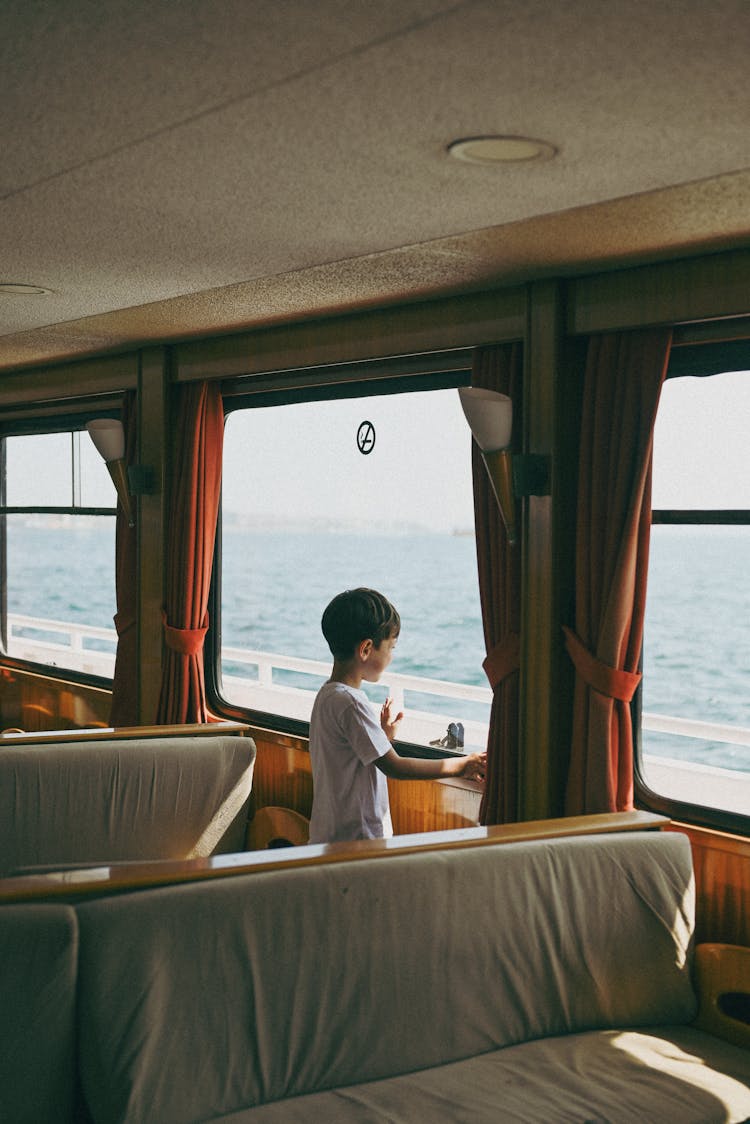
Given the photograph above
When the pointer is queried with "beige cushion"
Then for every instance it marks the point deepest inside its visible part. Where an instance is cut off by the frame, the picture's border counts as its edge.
(617, 1077)
(38, 959)
(109, 801)
(203, 999)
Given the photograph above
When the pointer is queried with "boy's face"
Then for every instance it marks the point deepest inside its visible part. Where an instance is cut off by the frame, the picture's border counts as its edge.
(376, 660)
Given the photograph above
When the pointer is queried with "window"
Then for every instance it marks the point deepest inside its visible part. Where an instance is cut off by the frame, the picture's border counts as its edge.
(308, 512)
(695, 722)
(59, 543)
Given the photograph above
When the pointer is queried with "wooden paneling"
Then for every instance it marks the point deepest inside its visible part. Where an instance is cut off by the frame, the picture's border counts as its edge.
(94, 376)
(282, 775)
(406, 329)
(32, 702)
(283, 778)
(150, 527)
(540, 782)
(433, 805)
(722, 880)
(716, 285)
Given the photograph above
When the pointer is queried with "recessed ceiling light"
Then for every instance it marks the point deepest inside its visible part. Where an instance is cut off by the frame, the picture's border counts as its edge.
(501, 150)
(16, 289)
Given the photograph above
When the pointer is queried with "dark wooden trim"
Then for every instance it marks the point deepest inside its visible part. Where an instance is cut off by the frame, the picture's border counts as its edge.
(734, 517)
(406, 329)
(712, 287)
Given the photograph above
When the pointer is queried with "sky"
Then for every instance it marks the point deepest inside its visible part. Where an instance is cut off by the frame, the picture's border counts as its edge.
(702, 443)
(39, 472)
(303, 459)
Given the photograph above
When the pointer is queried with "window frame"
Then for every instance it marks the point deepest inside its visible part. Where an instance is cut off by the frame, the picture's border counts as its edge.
(369, 378)
(701, 351)
(39, 421)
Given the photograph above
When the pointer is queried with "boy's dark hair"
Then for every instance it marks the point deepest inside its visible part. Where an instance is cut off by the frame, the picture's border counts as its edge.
(357, 615)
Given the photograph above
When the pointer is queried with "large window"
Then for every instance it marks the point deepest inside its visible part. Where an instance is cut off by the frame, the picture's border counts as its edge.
(326, 495)
(695, 698)
(58, 590)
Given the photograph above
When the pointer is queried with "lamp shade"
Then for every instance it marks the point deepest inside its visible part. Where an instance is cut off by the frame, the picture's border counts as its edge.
(490, 416)
(108, 437)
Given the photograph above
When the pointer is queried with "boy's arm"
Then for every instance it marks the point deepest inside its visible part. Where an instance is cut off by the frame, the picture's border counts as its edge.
(472, 766)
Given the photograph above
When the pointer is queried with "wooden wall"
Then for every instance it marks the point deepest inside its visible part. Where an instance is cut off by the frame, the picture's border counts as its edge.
(722, 882)
(283, 778)
(32, 702)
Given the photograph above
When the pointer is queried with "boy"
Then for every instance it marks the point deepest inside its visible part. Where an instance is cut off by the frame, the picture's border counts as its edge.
(351, 753)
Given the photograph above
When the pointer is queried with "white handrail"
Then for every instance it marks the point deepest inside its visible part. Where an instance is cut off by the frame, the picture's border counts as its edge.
(79, 657)
(443, 687)
(68, 628)
(693, 728)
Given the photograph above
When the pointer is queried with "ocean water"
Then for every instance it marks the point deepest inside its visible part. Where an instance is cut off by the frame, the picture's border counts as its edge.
(62, 571)
(424, 576)
(696, 657)
(275, 585)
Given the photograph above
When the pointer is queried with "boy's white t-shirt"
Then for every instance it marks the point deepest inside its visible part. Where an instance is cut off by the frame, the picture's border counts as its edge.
(350, 793)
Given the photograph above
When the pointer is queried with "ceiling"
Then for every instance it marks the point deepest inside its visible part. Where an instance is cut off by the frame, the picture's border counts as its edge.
(171, 169)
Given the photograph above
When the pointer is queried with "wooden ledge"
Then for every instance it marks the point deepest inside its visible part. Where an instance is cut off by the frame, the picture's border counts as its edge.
(115, 733)
(714, 839)
(101, 880)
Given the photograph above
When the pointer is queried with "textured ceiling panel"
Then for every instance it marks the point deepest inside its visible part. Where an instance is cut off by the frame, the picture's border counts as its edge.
(707, 216)
(86, 77)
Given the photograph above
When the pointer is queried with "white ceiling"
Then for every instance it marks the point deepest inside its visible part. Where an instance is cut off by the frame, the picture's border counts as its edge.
(175, 167)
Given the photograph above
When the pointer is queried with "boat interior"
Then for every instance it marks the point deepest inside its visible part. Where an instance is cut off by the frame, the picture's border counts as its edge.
(206, 206)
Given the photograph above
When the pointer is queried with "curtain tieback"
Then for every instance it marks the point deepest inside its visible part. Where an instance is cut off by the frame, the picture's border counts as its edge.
(503, 660)
(186, 641)
(609, 681)
(123, 623)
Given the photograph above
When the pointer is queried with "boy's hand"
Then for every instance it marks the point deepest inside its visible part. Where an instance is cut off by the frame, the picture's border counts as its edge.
(475, 766)
(388, 721)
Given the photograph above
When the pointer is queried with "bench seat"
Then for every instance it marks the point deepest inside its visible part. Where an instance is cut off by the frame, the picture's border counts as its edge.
(104, 801)
(546, 979)
(543, 978)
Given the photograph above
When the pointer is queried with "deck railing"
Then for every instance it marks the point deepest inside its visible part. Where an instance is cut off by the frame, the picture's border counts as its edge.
(67, 644)
(286, 685)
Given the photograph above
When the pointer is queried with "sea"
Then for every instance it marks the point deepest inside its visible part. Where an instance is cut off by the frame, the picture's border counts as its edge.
(276, 582)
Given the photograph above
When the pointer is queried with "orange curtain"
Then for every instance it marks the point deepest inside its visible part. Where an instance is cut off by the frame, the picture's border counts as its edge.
(124, 709)
(196, 453)
(499, 368)
(622, 384)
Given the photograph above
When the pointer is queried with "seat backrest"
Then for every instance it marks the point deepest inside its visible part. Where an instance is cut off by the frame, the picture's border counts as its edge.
(283, 982)
(123, 800)
(38, 964)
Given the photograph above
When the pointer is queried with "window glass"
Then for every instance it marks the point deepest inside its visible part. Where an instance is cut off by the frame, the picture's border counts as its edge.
(700, 443)
(306, 514)
(696, 657)
(60, 595)
(40, 472)
(97, 489)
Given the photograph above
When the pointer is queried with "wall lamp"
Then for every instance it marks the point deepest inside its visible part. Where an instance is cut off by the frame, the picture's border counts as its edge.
(490, 417)
(109, 438)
